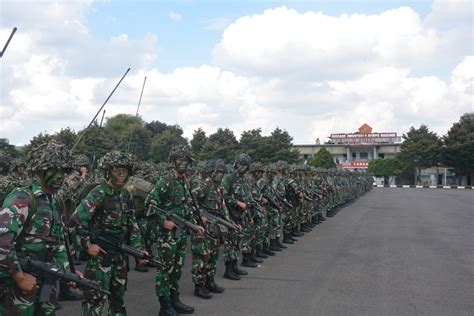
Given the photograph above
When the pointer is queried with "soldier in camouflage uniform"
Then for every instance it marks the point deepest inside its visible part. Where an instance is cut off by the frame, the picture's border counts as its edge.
(171, 194)
(238, 197)
(107, 209)
(209, 194)
(31, 225)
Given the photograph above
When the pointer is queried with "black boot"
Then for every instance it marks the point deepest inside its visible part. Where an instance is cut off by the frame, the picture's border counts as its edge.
(267, 251)
(295, 233)
(201, 291)
(274, 246)
(260, 253)
(65, 293)
(287, 239)
(254, 257)
(321, 217)
(229, 271)
(279, 244)
(247, 262)
(178, 305)
(238, 271)
(212, 286)
(165, 307)
(305, 228)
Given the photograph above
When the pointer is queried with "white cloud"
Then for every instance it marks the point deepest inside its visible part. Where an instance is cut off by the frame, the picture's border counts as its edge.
(175, 16)
(308, 73)
(217, 24)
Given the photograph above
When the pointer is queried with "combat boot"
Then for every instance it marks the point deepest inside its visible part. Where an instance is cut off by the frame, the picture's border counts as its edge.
(321, 217)
(305, 228)
(247, 262)
(201, 291)
(238, 271)
(274, 246)
(260, 253)
(296, 233)
(229, 271)
(179, 306)
(254, 258)
(287, 239)
(212, 286)
(267, 250)
(165, 307)
(279, 244)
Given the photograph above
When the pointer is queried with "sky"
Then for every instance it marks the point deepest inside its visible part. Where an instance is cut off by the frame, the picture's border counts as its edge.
(311, 68)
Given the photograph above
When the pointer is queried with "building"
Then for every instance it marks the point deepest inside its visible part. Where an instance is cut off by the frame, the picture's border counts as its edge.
(354, 150)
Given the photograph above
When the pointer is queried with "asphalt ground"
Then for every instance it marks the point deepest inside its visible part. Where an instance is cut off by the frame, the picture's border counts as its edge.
(394, 251)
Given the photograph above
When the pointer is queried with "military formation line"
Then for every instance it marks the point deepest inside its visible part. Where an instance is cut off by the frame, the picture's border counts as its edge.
(57, 214)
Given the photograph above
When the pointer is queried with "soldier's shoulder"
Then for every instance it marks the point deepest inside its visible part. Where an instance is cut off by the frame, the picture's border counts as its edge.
(19, 197)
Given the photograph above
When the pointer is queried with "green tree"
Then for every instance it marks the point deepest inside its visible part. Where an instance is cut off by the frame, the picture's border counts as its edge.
(420, 149)
(67, 136)
(139, 142)
(95, 142)
(161, 145)
(281, 144)
(222, 144)
(10, 149)
(322, 159)
(385, 167)
(119, 128)
(459, 145)
(198, 141)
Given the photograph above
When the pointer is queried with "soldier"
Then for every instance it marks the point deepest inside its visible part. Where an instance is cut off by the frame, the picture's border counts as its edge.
(32, 226)
(107, 210)
(171, 194)
(209, 194)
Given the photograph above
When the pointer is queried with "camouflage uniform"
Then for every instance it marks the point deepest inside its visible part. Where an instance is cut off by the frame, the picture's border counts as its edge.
(205, 250)
(31, 225)
(109, 211)
(171, 193)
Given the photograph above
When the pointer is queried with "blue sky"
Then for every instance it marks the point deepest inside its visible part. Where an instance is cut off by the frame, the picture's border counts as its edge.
(189, 42)
(310, 67)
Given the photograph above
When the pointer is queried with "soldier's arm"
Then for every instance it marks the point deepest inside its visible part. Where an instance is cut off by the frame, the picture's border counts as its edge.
(135, 235)
(228, 192)
(85, 212)
(13, 216)
(155, 198)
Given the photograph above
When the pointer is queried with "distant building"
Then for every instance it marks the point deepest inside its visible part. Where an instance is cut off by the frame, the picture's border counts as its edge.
(354, 150)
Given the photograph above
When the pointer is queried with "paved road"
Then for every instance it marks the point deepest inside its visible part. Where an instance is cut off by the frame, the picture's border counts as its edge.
(392, 252)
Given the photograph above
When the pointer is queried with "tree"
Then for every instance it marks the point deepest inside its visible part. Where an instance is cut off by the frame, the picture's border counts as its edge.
(385, 167)
(94, 142)
(7, 147)
(322, 159)
(119, 127)
(420, 149)
(459, 145)
(139, 142)
(222, 144)
(253, 143)
(198, 141)
(161, 145)
(281, 144)
(67, 136)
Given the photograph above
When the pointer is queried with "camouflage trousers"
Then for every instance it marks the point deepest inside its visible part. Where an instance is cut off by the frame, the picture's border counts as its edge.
(232, 246)
(248, 237)
(274, 224)
(205, 253)
(262, 230)
(14, 303)
(288, 219)
(112, 278)
(170, 253)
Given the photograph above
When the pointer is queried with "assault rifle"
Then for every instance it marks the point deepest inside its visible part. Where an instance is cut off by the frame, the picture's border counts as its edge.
(218, 220)
(112, 244)
(49, 274)
(178, 220)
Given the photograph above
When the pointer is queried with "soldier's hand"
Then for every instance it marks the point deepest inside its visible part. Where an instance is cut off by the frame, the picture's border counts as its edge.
(242, 205)
(94, 250)
(25, 282)
(200, 231)
(169, 225)
(204, 219)
(264, 201)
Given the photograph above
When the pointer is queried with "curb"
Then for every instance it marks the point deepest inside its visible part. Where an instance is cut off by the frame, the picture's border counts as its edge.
(462, 187)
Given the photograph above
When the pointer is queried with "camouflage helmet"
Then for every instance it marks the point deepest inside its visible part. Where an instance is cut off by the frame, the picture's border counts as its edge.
(242, 159)
(16, 163)
(5, 161)
(81, 160)
(257, 166)
(281, 165)
(178, 152)
(213, 165)
(115, 159)
(48, 155)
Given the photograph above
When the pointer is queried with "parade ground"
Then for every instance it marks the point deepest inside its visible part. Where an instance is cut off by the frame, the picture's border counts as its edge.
(394, 251)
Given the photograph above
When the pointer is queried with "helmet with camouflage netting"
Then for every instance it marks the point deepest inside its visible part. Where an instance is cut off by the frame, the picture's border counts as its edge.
(213, 165)
(281, 165)
(80, 161)
(257, 166)
(178, 152)
(242, 159)
(48, 155)
(116, 159)
(17, 162)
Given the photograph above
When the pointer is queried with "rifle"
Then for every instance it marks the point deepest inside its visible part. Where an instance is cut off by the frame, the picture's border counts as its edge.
(218, 220)
(49, 274)
(178, 220)
(112, 244)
